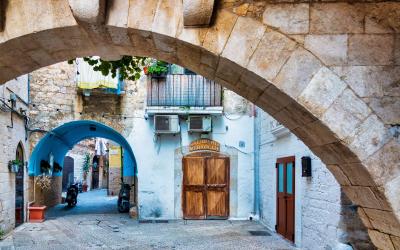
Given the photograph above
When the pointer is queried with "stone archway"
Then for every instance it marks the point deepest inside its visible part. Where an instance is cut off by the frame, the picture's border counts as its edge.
(276, 71)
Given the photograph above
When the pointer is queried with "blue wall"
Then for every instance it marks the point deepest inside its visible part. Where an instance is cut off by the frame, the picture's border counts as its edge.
(63, 138)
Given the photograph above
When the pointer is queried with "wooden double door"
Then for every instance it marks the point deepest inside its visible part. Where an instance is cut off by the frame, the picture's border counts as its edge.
(285, 197)
(205, 187)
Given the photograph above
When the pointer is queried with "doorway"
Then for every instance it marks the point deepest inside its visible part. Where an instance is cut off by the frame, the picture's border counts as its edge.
(285, 172)
(19, 187)
(68, 173)
(205, 186)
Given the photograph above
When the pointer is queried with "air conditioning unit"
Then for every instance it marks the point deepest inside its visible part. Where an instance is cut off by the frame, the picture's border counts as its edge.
(200, 124)
(166, 124)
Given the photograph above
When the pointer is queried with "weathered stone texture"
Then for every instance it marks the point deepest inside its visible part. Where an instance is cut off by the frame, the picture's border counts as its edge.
(270, 55)
(322, 91)
(336, 18)
(245, 35)
(343, 118)
(297, 72)
(380, 240)
(371, 49)
(331, 49)
(289, 18)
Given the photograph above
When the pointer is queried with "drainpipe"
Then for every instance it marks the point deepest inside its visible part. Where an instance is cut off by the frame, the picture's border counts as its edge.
(256, 206)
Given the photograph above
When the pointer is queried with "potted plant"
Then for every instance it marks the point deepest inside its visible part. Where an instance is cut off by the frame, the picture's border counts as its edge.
(157, 69)
(45, 167)
(57, 168)
(85, 171)
(37, 212)
(14, 165)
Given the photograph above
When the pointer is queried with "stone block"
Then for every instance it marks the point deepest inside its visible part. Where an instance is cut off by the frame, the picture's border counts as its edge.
(330, 49)
(218, 34)
(229, 71)
(340, 177)
(384, 165)
(382, 17)
(253, 81)
(141, 14)
(289, 18)
(364, 218)
(246, 35)
(369, 137)
(367, 81)
(297, 72)
(383, 221)
(117, 13)
(397, 50)
(395, 241)
(336, 18)
(358, 174)
(92, 12)
(197, 13)
(381, 240)
(315, 134)
(334, 153)
(366, 197)
(345, 114)
(387, 108)
(167, 17)
(322, 91)
(188, 56)
(371, 50)
(273, 100)
(194, 36)
(270, 55)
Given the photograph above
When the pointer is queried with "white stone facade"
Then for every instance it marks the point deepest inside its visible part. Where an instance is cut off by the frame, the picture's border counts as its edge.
(319, 214)
(12, 132)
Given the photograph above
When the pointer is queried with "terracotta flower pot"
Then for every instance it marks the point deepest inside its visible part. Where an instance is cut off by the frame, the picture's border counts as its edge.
(37, 214)
(84, 187)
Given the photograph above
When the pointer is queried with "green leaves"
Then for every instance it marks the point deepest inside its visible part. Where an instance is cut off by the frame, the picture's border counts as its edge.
(128, 67)
(158, 68)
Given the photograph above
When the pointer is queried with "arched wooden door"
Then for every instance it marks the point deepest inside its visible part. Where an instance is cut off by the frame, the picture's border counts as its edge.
(19, 187)
(205, 186)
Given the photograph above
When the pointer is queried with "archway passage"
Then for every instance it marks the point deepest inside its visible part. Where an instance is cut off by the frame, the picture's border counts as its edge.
(56, 143)
(281, 75)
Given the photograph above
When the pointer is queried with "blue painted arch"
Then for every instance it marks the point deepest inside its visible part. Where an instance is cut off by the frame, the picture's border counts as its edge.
(63, 138)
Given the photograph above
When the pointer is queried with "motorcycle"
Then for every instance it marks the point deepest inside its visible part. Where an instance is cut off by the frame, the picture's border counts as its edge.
(123, 198)
(72, 195)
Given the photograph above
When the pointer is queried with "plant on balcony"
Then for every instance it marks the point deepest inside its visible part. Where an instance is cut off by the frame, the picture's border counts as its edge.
(128, 67)
(57, 168)
(14, 165)
(86, 165)
(45, 167)
(157, 68)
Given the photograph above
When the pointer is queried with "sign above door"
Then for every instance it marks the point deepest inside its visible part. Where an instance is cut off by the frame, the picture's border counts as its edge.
(204, 144)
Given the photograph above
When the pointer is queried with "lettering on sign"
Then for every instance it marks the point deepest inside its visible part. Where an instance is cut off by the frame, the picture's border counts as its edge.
(204, 144)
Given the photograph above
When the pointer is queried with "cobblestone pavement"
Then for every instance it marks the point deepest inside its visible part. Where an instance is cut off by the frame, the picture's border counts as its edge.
(81, 230)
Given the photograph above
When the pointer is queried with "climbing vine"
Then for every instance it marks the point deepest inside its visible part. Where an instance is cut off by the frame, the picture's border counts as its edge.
(127, 68)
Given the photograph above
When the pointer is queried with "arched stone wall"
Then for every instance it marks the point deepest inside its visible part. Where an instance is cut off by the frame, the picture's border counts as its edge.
(289, 76)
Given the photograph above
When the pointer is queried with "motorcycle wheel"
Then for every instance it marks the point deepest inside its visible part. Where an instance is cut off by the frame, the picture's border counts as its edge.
(123, 207)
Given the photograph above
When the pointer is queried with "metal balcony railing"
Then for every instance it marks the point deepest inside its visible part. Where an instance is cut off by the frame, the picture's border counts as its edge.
(183, 91)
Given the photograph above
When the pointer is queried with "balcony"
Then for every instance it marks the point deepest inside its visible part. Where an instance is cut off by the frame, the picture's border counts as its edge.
(183, 94)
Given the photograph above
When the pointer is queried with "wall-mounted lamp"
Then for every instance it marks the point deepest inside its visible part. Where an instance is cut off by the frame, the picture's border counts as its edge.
(306, 166)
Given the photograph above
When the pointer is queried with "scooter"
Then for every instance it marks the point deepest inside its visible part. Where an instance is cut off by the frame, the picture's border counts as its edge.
(72, 195)
(123, 198)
